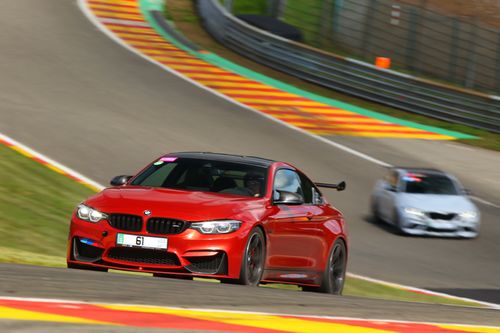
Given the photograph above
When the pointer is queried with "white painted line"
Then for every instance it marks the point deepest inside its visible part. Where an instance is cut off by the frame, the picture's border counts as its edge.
(459, 146)
(423, 291)
(51, 300)
(52, 162)
(485, 202)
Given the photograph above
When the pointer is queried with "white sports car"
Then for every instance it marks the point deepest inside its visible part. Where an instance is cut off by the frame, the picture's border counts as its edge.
(421, 201)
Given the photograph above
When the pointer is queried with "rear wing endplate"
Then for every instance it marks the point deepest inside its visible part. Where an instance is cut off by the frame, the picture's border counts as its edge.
(339, 187)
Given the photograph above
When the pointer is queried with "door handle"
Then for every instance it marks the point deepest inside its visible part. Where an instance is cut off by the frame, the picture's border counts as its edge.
(310, 216)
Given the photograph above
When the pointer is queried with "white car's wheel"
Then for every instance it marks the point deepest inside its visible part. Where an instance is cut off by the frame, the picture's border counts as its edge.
(375, 212)
(396, 220)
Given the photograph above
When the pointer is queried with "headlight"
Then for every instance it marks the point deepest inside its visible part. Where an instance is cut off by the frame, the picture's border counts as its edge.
(216, 227)
(468, 215)
(414, 212)
(89, 214)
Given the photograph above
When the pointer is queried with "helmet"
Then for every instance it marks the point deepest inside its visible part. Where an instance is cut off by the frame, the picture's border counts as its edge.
(253, 176)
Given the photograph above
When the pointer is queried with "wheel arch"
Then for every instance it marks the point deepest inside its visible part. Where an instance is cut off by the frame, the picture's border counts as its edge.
(343, 239)
(261, 227)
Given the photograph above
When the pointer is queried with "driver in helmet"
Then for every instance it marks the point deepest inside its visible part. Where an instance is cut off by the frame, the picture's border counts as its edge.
(253, 184)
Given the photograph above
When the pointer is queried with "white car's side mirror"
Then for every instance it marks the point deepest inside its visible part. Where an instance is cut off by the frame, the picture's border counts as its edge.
(389, 187)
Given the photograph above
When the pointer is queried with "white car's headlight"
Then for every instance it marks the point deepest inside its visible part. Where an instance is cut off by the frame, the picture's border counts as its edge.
(89, 214)
(468, 215)
(216, 227)
(414, 212)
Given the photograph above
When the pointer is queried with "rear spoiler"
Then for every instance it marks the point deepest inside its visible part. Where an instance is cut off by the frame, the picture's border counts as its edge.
(339, 187)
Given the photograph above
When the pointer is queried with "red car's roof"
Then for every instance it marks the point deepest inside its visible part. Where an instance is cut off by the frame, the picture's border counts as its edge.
(252, 160)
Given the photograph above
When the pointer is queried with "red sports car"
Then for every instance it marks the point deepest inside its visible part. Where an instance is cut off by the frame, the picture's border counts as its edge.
(239, 219)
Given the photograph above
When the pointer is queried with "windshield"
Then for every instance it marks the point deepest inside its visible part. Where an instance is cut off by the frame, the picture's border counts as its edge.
(429, 184)
(204, 175)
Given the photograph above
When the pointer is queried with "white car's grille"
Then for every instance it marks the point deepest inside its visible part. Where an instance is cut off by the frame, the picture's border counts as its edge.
(440, 216)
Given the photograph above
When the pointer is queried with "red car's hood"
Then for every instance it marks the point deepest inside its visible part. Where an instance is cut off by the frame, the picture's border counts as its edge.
(162, 202)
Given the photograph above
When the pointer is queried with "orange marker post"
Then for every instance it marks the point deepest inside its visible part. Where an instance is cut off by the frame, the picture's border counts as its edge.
(383, 62)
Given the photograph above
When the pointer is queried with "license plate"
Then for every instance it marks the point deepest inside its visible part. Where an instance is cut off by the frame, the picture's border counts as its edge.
(443, 225)
(142, 241)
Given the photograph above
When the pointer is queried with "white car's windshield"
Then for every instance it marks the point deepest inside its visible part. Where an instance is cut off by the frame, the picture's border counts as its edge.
(428, 184)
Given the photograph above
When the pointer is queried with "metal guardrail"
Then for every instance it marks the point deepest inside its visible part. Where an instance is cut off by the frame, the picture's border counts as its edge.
(350, 76)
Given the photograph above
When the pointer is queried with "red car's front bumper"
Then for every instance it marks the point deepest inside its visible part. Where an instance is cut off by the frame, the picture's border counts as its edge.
(188, 253)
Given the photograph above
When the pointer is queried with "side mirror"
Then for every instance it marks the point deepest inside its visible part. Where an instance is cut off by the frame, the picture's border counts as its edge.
(120, 180)
(467, 191)
(341, 186)
(289, 198)
(390, 188)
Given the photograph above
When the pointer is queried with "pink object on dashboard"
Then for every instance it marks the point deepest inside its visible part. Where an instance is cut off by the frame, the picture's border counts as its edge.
(168, 159)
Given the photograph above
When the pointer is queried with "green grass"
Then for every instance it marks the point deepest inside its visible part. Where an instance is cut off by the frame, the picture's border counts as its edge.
(36, 204)
(308, 17)
(299, 13)
(182, 14)
(361, 288)
(250, 7)
(35, 207)
(15, 255)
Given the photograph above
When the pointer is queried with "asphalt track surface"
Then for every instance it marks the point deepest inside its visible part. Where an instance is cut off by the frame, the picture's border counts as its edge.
(71, 93)
(65, 284)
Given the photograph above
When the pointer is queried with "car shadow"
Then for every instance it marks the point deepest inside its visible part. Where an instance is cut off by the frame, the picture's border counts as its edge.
(369, 218)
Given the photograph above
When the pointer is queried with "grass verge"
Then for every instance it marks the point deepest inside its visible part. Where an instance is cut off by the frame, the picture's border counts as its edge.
(250, 7)
(361, 288)
(182, 13)
(35, 206)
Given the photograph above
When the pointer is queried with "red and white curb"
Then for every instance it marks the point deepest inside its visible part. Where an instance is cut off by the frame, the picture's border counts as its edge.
(202, 320)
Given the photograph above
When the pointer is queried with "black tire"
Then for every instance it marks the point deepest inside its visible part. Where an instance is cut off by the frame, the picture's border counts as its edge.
(252, 263)
(397, 223)
(173, 276)
(335, 270)
(375, 213)
(86, 268)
